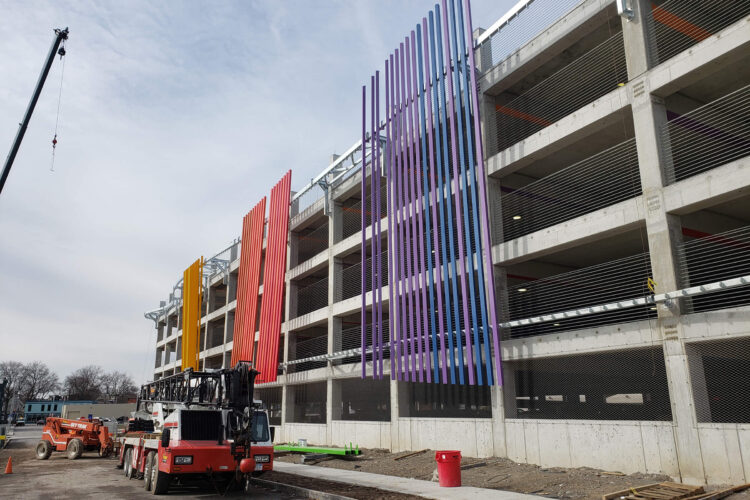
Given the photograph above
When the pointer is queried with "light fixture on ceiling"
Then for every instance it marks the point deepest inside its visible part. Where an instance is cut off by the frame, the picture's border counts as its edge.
(516, 217)
(522, 290)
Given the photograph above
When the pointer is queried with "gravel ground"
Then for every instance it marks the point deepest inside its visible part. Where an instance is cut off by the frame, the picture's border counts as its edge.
(503, 474)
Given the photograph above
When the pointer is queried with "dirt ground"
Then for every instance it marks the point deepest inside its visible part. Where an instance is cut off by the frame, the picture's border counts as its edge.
(503, 474)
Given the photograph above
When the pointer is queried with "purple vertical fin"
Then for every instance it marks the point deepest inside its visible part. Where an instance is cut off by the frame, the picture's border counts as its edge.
(389, 199)
(363, 315)
(411, 196)
(434, 202)
(373, 172)
(482, 182)
(424, 338)
(379, 265)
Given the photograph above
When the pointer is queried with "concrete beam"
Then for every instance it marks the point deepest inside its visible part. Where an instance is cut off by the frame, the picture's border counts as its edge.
(721, 184)
(718, 51)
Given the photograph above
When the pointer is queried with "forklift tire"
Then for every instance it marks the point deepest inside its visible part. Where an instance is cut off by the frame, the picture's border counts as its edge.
(75, 449)
(43, 450)
(148, 470)
(128, 462)
(159, 481)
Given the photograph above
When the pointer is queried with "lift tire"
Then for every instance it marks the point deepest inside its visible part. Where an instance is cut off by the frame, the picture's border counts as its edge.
(148, 475)
(75, 449)
(43, 450)
(160, 481)
(127, 462)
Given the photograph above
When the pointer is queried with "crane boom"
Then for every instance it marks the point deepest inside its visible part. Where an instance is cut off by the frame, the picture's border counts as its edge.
(60, 35)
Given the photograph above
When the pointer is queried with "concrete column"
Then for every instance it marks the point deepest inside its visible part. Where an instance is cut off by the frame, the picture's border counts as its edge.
(329, 409)
(664, 235)
(287, 413)
(640, 55)
(336, 222)
(395, 441)
(334, 401)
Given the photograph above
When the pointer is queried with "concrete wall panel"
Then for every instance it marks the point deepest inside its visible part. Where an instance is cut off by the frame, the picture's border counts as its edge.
(556, 445)
(314, 433)
(722, 458)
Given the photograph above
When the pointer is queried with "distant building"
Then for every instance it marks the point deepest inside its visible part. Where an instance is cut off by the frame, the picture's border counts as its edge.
(34, 410)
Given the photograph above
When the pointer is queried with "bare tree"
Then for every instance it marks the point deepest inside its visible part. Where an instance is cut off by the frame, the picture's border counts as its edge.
(84, 383)
(117, 386)
(37, 381)
(12, 372)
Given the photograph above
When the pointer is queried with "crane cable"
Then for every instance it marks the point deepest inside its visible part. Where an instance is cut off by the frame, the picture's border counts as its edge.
(59, 100)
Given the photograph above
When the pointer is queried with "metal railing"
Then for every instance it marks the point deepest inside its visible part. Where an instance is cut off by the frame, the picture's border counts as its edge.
(597, 182)
(353, 354)
(311, 243)
(608, 282)
(710, 257)
(677, 25)
(311, 298)
(518, 27)
(712, 135)
(587, 78)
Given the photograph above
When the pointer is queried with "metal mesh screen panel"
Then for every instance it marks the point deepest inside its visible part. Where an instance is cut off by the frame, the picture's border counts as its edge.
(311, 242)
(312, 297)
(349, 279)
(444, 400)
(597, 182)
(719, 376)
(710, 136)
(308, 348)
(714, 257)
(536, 17)
(308, 403)
(620, 385)
(600, 284)
(271, 398)
(363, 400)
(351, 214)
(677, 25)
(587, 78)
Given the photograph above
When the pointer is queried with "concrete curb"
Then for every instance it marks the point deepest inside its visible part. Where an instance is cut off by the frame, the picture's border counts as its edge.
(298, 490)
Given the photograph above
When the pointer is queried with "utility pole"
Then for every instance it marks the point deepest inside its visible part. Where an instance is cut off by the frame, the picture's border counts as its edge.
(60, 35)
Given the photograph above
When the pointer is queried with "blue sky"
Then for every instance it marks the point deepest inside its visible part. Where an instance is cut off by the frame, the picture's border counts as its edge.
(176, 118)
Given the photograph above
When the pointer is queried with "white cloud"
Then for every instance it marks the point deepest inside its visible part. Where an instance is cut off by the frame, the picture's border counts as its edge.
(176, 118)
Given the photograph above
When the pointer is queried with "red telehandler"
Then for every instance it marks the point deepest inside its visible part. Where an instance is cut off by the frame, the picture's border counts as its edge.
(74, 437)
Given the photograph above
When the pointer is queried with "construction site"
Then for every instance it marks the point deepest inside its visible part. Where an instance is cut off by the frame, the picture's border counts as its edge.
(535, 255)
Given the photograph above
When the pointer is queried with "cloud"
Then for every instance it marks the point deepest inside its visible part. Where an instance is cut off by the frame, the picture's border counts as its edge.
(175, 119)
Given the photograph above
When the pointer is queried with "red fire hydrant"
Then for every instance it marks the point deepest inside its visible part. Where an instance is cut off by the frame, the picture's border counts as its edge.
(449, 468)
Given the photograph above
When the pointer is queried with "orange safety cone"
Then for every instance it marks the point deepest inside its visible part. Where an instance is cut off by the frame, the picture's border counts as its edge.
(9, 467)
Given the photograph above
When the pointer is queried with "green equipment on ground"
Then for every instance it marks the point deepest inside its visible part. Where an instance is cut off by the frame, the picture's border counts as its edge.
(346, 450)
